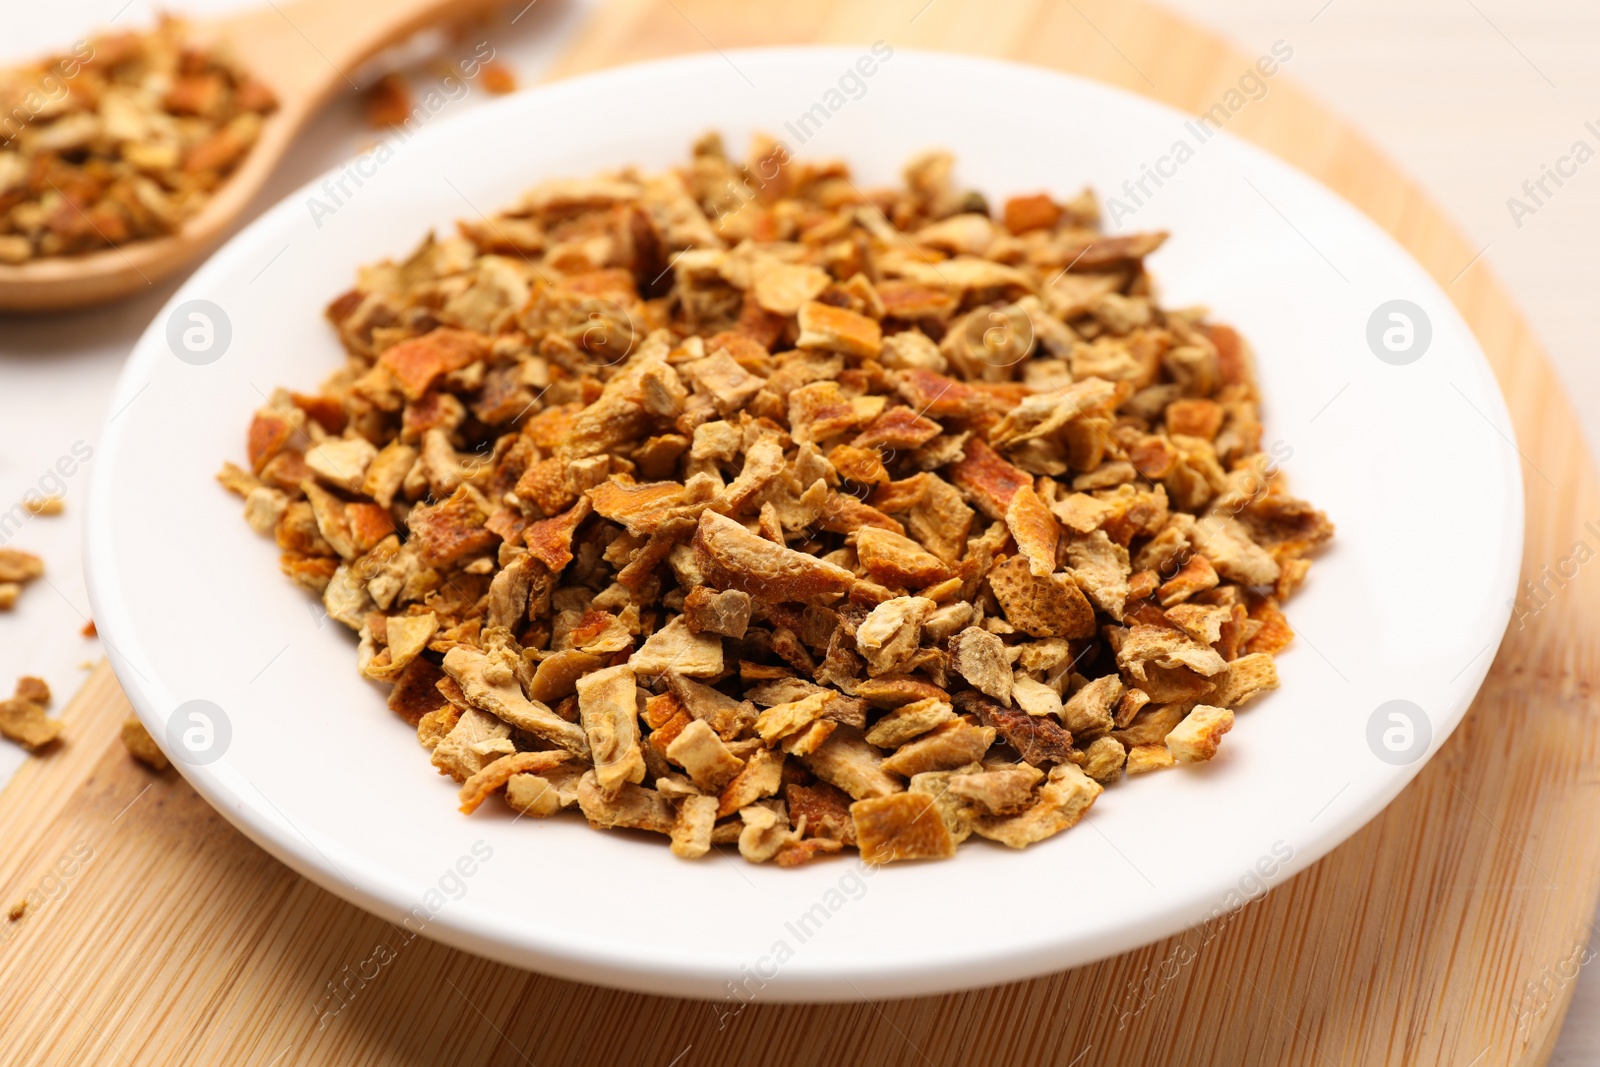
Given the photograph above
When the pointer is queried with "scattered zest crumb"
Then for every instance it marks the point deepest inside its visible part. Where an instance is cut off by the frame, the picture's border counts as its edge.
(741, 507)
(23, 719)
(499, 79)
(89, 629)
(44, 505)
(388, 102)
(17, 910)
(137, 740)
(17, 569)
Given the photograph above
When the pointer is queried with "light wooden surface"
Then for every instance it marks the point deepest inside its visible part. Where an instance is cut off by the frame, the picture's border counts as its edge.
(1440, 933)
(305, 50)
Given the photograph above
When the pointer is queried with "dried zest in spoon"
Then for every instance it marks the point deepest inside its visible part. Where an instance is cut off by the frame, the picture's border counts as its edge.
(119, 139)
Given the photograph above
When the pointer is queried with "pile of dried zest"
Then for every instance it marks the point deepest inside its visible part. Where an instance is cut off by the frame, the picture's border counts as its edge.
(119, 140)
(741, 506)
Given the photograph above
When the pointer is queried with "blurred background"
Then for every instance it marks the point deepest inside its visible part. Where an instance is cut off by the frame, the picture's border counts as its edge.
(1474, 98)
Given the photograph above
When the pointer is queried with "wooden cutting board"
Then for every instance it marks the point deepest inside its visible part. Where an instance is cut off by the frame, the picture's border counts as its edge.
(1448, 930)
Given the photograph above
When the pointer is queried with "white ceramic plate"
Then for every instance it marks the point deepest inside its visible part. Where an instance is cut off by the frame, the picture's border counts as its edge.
(1414, 462)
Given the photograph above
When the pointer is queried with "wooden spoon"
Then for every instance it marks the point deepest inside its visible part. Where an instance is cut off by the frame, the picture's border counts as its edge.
(304, 50)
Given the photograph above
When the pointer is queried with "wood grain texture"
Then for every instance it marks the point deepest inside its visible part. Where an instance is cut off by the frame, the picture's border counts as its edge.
(1438, 934)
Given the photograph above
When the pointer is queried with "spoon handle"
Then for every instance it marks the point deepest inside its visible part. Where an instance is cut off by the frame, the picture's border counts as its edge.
(309, 50)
